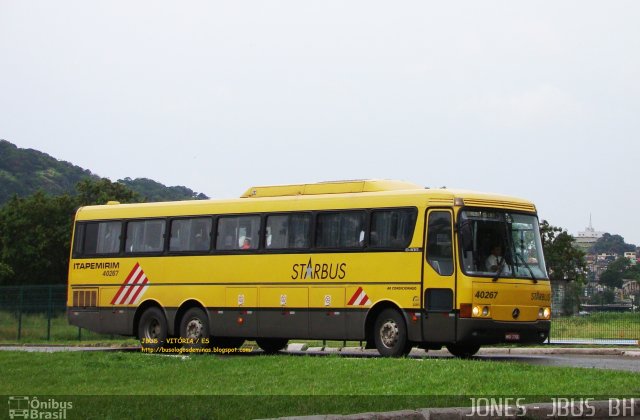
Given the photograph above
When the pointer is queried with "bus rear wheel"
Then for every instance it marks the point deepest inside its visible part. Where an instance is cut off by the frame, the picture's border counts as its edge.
(390, 334)
(152, 328)
(227, 342)
(271, 345)
(463, 351)
(194, 328)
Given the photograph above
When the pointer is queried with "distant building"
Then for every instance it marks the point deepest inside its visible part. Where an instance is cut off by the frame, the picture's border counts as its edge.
(598, 263)
(630, 288)
(631, 256)
(588, 237)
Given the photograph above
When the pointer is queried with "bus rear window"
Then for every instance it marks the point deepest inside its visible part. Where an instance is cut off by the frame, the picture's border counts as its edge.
(99, 238)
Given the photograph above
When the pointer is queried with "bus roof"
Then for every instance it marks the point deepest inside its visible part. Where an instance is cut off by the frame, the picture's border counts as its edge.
(330, 187)
(320, 196)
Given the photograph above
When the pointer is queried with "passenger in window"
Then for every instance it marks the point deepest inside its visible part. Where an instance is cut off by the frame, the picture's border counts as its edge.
(495, 261)
(246, 244)
(299, 242)
(200, 243)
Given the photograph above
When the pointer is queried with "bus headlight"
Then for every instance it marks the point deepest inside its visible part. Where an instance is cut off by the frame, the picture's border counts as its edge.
(480, 311)
(544, 313)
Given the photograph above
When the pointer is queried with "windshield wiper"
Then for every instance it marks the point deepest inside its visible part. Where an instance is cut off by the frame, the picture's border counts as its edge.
(497, 275)
(500, 268)
(535, 280)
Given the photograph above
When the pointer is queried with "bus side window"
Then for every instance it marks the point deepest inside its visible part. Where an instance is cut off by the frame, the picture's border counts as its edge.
(439, 245)
(145, 236)
(340, 229)
(288, 231)
(192, 234)
(238, 233)
(392, 228)
(109, 237)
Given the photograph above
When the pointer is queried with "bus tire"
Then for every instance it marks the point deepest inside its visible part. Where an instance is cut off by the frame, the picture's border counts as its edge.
(463, 351)
(227, 342)
(390, 334)
(152, 328)
(271, 345)
(194, 328)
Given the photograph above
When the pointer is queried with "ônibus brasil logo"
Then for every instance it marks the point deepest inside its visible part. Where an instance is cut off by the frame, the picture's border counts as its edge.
(135, 285)
(33, 408)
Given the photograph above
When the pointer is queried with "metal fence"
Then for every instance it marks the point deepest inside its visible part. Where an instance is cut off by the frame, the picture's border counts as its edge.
(38, 313)
(578, 317)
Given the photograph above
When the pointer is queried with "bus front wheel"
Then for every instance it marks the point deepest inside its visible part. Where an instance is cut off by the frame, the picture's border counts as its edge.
(152, 328)
(463, 351)
(390, 334)
(271, 345)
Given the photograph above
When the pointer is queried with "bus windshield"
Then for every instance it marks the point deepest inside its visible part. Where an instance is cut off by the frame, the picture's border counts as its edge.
(500, 244)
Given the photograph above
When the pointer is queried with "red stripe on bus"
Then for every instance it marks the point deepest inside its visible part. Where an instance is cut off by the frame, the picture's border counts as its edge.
(121, 289)
(131, 285)
(140, 288)
(355, 296)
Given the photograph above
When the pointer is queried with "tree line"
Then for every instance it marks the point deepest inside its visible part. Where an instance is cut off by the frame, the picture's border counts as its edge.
(35, 231)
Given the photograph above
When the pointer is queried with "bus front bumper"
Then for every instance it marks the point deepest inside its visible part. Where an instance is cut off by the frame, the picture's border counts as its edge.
(487, 331)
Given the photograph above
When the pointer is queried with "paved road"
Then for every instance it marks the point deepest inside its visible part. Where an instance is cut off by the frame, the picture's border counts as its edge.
(586, 361)
(615, 359)
(598, 358)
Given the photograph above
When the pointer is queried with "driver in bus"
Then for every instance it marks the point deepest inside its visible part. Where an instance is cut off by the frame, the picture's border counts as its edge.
(495, 260)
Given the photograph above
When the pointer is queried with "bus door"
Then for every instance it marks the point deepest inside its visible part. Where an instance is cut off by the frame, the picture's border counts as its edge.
(439, 278)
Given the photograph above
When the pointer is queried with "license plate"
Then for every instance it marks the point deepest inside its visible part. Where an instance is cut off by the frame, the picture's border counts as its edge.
(512, 336)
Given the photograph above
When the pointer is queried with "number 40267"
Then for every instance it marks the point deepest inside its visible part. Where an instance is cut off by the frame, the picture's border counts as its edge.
(481, 294)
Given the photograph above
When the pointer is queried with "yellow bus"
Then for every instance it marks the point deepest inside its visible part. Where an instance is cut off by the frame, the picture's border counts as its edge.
(385, 262)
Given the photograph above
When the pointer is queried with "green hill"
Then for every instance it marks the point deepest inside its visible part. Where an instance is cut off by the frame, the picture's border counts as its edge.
(155, 191)
(25, 171)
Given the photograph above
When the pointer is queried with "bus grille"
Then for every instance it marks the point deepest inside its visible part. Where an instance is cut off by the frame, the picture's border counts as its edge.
(85, 298)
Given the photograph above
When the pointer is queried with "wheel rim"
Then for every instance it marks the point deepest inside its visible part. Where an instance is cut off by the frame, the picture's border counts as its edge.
(194, 328)
(389, 333)
(153, 329)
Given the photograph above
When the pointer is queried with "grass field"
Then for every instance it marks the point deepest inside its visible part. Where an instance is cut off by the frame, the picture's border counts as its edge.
(243, 386)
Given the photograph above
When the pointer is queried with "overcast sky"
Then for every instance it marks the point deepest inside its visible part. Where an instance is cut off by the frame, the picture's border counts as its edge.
(537, 99)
